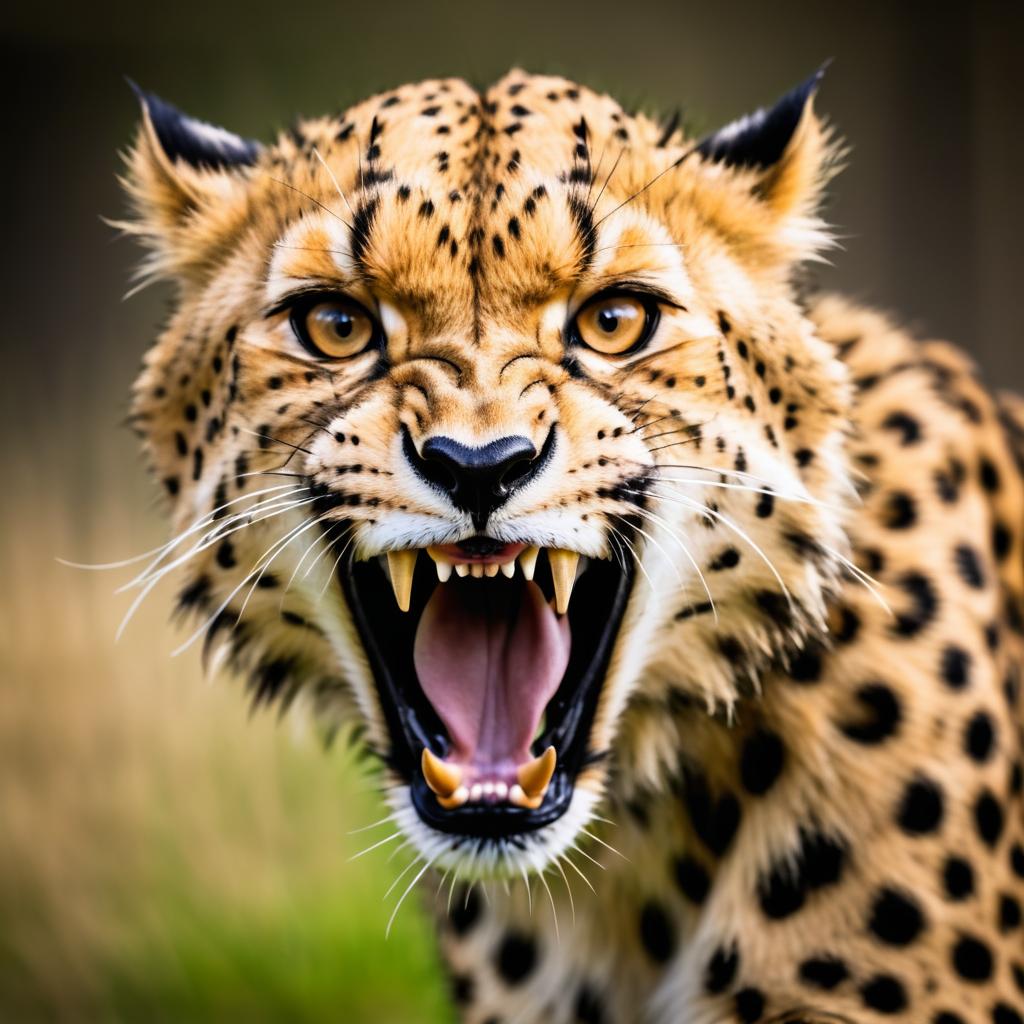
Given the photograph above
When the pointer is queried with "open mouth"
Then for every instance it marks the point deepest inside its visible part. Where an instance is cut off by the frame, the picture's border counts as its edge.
(489, 660)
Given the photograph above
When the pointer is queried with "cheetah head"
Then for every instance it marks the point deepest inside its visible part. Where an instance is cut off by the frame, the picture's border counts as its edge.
(492, 425)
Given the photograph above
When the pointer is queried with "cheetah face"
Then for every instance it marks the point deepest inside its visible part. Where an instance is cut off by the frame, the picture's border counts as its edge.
(501, 427)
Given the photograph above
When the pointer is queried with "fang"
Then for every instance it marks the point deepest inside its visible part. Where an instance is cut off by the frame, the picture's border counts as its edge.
(563, 573)
(442, 778)
(401, 565)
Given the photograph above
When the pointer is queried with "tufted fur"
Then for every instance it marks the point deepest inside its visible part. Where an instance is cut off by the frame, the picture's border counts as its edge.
(808, 746)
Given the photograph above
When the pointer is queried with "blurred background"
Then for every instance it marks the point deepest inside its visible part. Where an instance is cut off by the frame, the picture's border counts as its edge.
(164, 855)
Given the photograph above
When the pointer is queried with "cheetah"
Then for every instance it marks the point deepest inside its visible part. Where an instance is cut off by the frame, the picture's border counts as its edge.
(680, 607)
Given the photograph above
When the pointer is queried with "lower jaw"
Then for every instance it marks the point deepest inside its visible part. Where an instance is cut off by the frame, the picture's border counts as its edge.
(595, 612)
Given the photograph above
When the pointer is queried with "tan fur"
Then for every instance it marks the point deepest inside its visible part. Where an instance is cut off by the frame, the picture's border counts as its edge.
(758, 753)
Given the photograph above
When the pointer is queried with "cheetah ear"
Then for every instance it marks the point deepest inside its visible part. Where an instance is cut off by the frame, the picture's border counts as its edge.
(783, 152)
(185, 179)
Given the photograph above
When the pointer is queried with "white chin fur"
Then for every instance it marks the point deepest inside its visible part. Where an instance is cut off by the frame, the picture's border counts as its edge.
(492, 858)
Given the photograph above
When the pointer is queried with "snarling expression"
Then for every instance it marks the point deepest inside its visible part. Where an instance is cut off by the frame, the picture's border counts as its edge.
(492, 425)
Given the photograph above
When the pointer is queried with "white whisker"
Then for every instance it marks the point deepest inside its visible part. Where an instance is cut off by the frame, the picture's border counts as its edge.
(379, 843)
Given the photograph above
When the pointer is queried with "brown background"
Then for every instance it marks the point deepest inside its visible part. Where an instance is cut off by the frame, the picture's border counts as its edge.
(114, 760)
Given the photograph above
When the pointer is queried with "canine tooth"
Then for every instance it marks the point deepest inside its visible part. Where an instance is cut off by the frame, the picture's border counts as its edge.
(534, 776)
(476, 791)
(442, 564)
(528, 561)
(491, 569)
(500, 790)
(401, 565)
(442, 778)
(508, 569)
(520, 799)
(563, 573)
(457, 799)
(462, 569)
(477, 570)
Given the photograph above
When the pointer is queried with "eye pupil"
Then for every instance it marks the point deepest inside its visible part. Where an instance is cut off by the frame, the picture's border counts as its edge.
(342, 324)
(607, 321)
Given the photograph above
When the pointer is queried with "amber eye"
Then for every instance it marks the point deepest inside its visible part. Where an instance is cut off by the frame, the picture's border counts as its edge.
(334, 328)
(615, 324)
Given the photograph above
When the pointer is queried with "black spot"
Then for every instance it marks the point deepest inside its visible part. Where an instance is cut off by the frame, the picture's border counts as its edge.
(958, 878)
(988, 475)
(979, 737)
(721, 969)
(972, 959)
(1009, 912)
(195, 594)
(656, 933)
(465, 913)
(879, 715)
(968, 565)
(947, 486)
(268, 680)
(806, 664)
(692, 879)
(900, 511)
(884, 993)
(714, 820)
(825, 972)
(1003, 1013)
(749, 1005)
(1002, 541)
(426, 209)
(849, 625)
(761, 762)
(172, 484)
(818, 864)
(588, 1006)
(191, 412)
(955, 665)
(923, 606)
(909, 427)
(226, 555)
(765, 506)
(516, 957)
(896, 918)
(988, 817)
(727, 559)
(462, 989)
(197, 463)
(921, 807)
(945, 1017)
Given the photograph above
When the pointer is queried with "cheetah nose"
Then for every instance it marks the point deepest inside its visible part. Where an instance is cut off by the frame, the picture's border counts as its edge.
(478, 480)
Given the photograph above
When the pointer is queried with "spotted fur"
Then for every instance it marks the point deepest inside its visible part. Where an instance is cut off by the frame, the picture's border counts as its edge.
(807, 752)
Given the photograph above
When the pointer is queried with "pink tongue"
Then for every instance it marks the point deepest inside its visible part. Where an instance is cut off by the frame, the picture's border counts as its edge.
(489, 670)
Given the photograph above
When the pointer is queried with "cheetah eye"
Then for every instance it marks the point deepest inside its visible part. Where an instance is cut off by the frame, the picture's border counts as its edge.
(616, 325)
(334, 328)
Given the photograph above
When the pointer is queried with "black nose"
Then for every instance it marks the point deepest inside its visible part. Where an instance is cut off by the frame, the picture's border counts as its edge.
(478, 480)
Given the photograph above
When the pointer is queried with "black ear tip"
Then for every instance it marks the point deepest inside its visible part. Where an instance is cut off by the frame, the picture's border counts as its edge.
(201, 145)
(760, 139)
